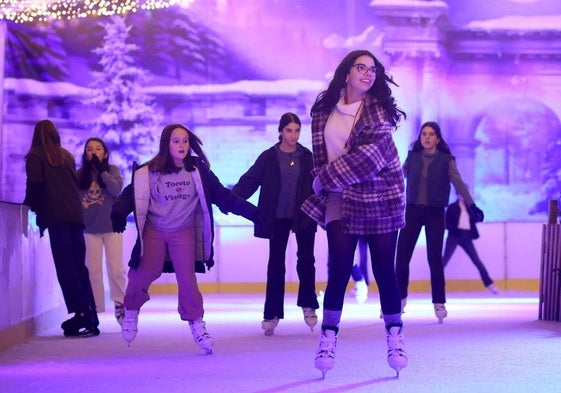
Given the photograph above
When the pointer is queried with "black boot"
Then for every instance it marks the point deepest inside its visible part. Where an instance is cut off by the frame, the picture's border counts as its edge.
(71, 324)
(83, 324)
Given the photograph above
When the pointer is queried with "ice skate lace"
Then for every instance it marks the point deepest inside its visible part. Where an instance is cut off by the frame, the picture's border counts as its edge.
(396, 345)
(130, 323)
(200, 333)
(440, 311)
(310, 316)
(326, 347)
(269, 324)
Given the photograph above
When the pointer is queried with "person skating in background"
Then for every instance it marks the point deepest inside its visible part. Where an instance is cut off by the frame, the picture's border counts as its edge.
(283, 174)
(171, 196)
(359, 191)
(52, 193)
(360, 271)
(429, 169)
(100, 184)
(462, 230)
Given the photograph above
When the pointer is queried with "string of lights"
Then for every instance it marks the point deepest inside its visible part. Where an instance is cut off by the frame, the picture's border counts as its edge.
(21, 11)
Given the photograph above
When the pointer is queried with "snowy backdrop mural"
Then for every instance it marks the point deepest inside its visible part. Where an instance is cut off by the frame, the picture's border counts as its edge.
(488, 72)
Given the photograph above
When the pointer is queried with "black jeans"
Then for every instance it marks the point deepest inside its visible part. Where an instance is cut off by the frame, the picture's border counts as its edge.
(276, 270)
(432, 218)
(340, 263)
(69, 253)
(465, 241)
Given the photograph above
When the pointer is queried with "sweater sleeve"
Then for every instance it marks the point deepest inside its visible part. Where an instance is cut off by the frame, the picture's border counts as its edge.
(250, 181)
(362, 163)
(226, 200)
(459, 185)
(113, 180)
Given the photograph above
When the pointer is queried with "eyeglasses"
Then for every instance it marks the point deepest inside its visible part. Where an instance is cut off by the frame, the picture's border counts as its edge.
(363, 69)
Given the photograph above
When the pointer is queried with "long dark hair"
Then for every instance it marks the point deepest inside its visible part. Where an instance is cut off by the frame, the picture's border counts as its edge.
(286, 119)
(163, 162)
(85, 178)
(46, 137)
(380, 90)
(441, 146)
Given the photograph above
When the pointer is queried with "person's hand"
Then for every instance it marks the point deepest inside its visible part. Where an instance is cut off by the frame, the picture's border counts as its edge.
(103, 166)
(95, 163)
(100, 166)
(477, 213)
(317, 186)
(119, 222)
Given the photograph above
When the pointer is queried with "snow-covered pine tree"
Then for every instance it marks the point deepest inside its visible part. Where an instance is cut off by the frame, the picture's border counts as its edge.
(127, 120)
(49, 59)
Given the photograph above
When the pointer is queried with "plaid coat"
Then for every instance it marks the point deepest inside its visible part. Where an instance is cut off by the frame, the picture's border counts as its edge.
(370, 175)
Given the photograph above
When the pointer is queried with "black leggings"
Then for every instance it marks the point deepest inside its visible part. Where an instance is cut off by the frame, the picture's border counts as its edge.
(432, 218)
(340, 263)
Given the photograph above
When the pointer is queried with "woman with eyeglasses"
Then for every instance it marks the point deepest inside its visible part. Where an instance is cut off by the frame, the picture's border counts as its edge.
(358, 191)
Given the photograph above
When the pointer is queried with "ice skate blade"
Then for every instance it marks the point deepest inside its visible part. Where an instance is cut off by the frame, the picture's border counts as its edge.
(324, 369)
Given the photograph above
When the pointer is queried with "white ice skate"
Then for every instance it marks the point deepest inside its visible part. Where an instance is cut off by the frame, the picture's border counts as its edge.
(325, 356)
(203, 339)
(129, 328)
(440, 311)
(310, 317)
(397, 357)
(269, 325)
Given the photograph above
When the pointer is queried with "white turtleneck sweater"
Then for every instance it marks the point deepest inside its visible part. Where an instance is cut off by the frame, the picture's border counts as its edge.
(338, 128)
(336, 134)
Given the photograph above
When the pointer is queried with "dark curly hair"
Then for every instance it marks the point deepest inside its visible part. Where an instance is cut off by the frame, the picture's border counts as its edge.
(380, 90)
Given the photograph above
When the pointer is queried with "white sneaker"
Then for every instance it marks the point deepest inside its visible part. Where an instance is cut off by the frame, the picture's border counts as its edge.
(325, 355)
(440, 311)
(397, 357)
(493, 289)
(361, 291)
(269, 325)
(203, 339)
(129, 328)
(310, 317)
